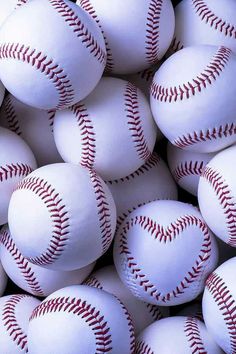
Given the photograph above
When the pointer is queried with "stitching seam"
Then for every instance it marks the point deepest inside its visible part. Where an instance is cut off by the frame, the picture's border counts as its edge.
(58, 215)
(152, 31)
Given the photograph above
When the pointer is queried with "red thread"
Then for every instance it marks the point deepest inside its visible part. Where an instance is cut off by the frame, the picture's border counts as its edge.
(165, 235)
(210, 18)
(152, 31)
(14, 170)
(192, 87)
(88, 140)
(91, 316)
(153, 161)
(10, 322)
(190, 139)
(51, 118)
(226, 304)
(225, 199)
(193, 335)
(58, 215)
(88, 7)
(176, 45)
(188, 168)
(22, 264)
(94, 282)
(103, 211)
(154, 311)
(42, 63)
(11, 116)
(135, 122)
(143, 348)
(130, 326)
(75, 23)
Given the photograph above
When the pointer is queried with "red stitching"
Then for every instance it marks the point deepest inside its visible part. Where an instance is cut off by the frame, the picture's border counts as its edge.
(152, 31)
(88, 7)
(225, 199)
(210, 18)
(154, 311)
(22, 264)
(51, 118)
(197, 84)
(45, 65)
(147, 74)
(130, 325)
(88, 149)
(94, 282)
(176, 45)
(75, 23)
(103, 210)
(134, 121)
(153, 161)
(10, 322)
(14, 170)
(193, 335)
(226, 303)
(190, 139)
(188, 168)
(21, 2)
(92, 317)
(58, 215)
(143, 348)
(11, 116)
(163, 235)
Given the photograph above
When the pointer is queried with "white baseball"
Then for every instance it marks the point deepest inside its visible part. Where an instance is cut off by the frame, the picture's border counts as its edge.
(193, 98)
(137, 34)
(165, 238)
(176, 335)
(219, 305)
(150, 182)
(217, 195)
(187, 166)
(142, 313)
(35, 280)
(7, 7)
(54, 63)
(34, 125)
(14, 321)
(3, 279)
(16, 162)
(62, 217)
(205, 22)
(81, 320)
(111, 131)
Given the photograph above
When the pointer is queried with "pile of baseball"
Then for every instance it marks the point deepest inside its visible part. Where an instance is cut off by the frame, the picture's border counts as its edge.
(117, 177)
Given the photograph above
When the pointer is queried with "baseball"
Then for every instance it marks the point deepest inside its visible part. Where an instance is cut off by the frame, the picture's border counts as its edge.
(217, 192)
(150, 182)
(176, 335)
(111, 131)
(40, 73)
(187, 167)
(54, 204)
(33, 125)
(193, 101)
(142, 314)
(156, 233)
(219, 305)
(3, 280)
(137, 34)
(16, 162)
(35, 280)
(88, 320)
(205, 22)
(15, 313)
(192, 310)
